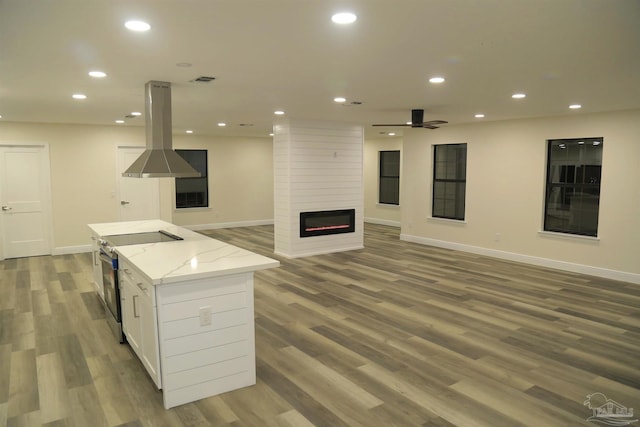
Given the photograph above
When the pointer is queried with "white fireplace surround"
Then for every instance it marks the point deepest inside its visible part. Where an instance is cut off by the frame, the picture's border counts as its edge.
(318, 166)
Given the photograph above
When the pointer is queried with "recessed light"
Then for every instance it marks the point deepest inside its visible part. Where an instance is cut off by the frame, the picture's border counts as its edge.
(119, 121)
(188, 131)
(596, 142)
(581, 142)
(0, 116)
(391, 134)
(271, 134)
(436, 80)
(339, 99)
(479, 116)
(575, 106)
(137, 26)
(222, 124)
(518, 95)
(278, 112)
(344, 18)
(79, 96)
(136, 113)
(97, 74)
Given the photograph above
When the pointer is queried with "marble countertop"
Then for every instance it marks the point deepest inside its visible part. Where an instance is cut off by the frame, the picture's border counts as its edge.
(195, 257)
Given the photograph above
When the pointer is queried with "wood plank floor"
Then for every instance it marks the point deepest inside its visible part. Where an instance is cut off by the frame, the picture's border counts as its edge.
(396, 334)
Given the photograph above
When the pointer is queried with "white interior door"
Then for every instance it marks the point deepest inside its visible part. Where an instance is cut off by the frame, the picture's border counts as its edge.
(25, 197)
(139, 198)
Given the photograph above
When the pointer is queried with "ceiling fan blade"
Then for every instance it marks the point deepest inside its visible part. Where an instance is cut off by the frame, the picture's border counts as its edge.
(435, 122)
(404, 124)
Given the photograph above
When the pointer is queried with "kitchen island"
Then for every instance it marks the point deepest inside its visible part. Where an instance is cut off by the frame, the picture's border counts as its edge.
(187, 309)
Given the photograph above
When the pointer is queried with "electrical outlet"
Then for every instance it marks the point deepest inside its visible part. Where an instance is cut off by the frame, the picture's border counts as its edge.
(205, 316)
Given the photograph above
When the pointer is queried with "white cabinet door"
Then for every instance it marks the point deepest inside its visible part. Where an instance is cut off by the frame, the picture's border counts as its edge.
(130, 313)
(97, 266)
(149, 333)
(139, 319)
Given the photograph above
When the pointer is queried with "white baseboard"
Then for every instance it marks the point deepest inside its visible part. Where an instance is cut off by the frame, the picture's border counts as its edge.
(200, 227)
(312, 253)
(67, 250)
(383, 222)
(528, 259)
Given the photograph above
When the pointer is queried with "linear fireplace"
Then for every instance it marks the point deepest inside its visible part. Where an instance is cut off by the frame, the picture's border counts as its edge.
(321, 223)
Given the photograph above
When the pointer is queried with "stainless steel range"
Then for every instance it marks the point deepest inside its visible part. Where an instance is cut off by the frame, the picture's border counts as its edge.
(109, 261)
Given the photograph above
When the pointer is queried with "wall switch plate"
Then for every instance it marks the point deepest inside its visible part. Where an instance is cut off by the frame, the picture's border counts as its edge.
(205, 316)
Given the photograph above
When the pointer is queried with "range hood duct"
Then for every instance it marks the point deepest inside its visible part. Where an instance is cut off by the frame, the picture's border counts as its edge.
(159, 160)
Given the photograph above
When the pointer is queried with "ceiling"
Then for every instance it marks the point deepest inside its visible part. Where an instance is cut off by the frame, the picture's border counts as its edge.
(288, 55)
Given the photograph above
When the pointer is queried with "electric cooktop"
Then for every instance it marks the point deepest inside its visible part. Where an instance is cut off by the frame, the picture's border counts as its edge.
(139, 238)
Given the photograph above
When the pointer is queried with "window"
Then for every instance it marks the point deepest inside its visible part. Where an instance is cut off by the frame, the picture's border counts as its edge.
(449, 181)
(573, 186)
(389, 180)
(193, 192)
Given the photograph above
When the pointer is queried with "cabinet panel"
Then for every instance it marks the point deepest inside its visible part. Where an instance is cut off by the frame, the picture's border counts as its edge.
(199, 341)
(206, 373)
(217, 303)
(149, 345)
(130, 314)
(206, 356)
(222, 320)
(139, 319)
(96, 266)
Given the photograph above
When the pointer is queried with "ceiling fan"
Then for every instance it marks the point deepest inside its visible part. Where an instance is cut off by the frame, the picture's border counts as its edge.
(417, 117)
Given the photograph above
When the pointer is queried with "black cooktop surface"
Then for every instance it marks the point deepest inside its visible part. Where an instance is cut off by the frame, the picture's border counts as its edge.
(139, 238)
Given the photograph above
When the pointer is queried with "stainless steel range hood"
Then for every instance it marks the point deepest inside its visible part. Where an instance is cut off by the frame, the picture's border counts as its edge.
(159, 160)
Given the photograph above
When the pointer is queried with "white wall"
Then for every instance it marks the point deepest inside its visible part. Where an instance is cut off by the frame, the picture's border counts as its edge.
(83, 177)
(373, 211)
(505, 192)
(240, 182)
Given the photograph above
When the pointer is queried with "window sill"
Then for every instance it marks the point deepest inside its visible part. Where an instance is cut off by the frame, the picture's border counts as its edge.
(207, 209)
(567, 236)
(387, 206)
(447, 221)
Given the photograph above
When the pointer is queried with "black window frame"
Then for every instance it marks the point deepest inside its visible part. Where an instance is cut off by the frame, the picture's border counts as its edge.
(456, 184)
(198, 199)
(388, 179)
(572, 190)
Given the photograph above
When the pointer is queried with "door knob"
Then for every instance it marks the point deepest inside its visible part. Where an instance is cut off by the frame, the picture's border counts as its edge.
(6, 208)
(122, 202)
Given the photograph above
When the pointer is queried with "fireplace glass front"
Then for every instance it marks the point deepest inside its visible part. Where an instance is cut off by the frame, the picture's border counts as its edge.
(320, 223)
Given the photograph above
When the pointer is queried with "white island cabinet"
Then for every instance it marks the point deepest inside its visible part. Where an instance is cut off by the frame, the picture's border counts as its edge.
(188, 311)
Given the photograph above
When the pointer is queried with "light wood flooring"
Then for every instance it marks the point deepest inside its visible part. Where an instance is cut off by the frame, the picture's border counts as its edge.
(396, 334)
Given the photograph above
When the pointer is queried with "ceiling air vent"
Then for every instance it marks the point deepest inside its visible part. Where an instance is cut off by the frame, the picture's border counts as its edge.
(203, 79)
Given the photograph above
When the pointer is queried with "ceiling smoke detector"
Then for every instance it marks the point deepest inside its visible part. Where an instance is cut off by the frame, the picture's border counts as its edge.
(203, 79)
